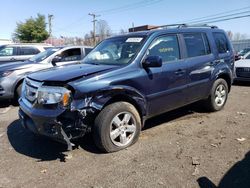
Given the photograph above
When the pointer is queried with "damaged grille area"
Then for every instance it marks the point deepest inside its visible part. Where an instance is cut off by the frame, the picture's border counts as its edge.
(74, 124)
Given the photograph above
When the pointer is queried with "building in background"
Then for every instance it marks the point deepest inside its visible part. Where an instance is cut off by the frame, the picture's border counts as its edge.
(5, 41)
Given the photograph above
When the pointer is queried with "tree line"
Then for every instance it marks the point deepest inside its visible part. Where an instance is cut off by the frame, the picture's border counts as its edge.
(34, 30)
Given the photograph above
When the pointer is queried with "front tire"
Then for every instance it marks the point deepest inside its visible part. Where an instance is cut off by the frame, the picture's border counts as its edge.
(218, 96)
(117, 127)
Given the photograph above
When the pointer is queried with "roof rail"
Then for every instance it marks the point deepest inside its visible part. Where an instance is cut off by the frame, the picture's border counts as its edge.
(184, 26)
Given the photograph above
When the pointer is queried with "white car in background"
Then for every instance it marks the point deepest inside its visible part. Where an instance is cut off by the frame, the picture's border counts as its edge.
(243, 68)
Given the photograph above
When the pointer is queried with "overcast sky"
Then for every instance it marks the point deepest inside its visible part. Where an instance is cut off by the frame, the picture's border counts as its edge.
(71, 17)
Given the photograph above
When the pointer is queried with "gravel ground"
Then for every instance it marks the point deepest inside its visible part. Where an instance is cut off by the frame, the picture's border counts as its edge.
(183, 148)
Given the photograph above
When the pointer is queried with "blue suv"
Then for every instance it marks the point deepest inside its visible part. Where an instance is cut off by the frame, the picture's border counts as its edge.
(127, 79)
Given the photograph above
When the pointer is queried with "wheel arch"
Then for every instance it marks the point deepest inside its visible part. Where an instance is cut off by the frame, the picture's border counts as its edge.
(227, 78)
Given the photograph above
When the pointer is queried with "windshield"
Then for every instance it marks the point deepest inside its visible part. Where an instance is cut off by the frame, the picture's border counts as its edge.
(43, 55)
(115, 51)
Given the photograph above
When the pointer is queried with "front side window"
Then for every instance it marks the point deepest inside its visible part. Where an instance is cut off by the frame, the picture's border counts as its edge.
(221, 42)
(115, 51)
(7, 51)
(71, 55)
(196, 44)
(165, 47)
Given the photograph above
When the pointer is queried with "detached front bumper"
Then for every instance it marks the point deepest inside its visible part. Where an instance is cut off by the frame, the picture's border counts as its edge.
(43, 122)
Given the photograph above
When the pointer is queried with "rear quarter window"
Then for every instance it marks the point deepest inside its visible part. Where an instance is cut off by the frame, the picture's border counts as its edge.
(196, 44)
(221, 42)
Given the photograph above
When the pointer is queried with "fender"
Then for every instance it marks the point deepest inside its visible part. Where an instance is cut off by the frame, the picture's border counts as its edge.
(98, 100)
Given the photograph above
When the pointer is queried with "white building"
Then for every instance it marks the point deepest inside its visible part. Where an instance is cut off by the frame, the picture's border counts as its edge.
(5, 41)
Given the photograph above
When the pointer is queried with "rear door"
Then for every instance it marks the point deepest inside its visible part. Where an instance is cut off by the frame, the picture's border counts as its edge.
(171, 87)
(26, 52)
(225, 50)
(200, 63)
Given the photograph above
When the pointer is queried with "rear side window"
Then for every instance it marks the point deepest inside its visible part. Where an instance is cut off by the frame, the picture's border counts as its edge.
(196, 44)
(28, 50)
(221, 42)
(166, 47)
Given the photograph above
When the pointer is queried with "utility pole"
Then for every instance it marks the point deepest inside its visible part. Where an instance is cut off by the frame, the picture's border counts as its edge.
(50, 16)
(94, 21)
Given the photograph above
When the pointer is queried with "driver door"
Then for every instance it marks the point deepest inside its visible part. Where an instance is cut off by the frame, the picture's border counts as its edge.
(169, 91)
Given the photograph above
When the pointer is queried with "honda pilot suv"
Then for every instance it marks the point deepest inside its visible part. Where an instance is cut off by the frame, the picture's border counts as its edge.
(124, 81)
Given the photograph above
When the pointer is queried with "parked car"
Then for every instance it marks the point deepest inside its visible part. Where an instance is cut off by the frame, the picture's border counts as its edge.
(243, 52)
(124, 81)
(12, 74)
(243, 68)
(20, 52)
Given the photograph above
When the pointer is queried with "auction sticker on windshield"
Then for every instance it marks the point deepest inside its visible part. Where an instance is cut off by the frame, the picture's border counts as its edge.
(138, 39)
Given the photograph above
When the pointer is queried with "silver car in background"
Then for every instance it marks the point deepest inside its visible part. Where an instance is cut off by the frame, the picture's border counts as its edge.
(243, 68)
(20, 52)
(12, 74)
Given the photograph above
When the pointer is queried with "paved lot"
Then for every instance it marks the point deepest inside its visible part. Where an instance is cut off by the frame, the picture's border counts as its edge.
(183, 148)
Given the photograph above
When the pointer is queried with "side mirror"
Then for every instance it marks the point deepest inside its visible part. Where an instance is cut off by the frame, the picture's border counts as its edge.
(55, 60)
(152, 61)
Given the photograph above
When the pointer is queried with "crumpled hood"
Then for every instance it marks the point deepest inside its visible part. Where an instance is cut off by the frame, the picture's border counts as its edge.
(242, 63)
(15, 65)
(69, 72)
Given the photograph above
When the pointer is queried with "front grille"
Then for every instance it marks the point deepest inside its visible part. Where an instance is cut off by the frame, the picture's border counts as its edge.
(243, 72)
(30, 89)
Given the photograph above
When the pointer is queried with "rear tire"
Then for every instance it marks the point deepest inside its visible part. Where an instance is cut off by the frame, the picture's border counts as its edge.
(117, 127)
(218, 96)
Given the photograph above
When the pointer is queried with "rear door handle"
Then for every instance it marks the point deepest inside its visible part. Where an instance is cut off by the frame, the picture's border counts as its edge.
(12, 59)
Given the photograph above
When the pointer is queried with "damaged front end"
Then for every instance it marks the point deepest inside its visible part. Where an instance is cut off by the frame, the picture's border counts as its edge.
(51, 111)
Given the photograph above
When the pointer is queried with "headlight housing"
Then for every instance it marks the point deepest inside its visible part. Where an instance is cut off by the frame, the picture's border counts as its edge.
(53, 95)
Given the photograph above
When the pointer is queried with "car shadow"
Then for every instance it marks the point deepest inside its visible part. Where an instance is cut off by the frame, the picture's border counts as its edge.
(26, 143)
(238, 176)
(239, 83)
(44, 149)
(7, 103)
(175, 114)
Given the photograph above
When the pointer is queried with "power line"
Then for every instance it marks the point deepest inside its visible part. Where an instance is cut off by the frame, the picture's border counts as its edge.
(225, 19)
(218, 17)
(217, 14)
(132, 6)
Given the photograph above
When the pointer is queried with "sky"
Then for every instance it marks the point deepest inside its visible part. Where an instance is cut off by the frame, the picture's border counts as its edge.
(71, 17)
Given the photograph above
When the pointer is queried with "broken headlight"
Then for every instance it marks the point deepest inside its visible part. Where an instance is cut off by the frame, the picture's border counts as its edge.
(53, 95)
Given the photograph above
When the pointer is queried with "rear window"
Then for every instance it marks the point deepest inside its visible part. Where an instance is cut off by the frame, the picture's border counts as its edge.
(221, 42)
(196, 44)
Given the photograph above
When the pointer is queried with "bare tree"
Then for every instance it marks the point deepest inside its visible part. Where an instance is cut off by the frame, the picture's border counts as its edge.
(103, 30)
(239, 36)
